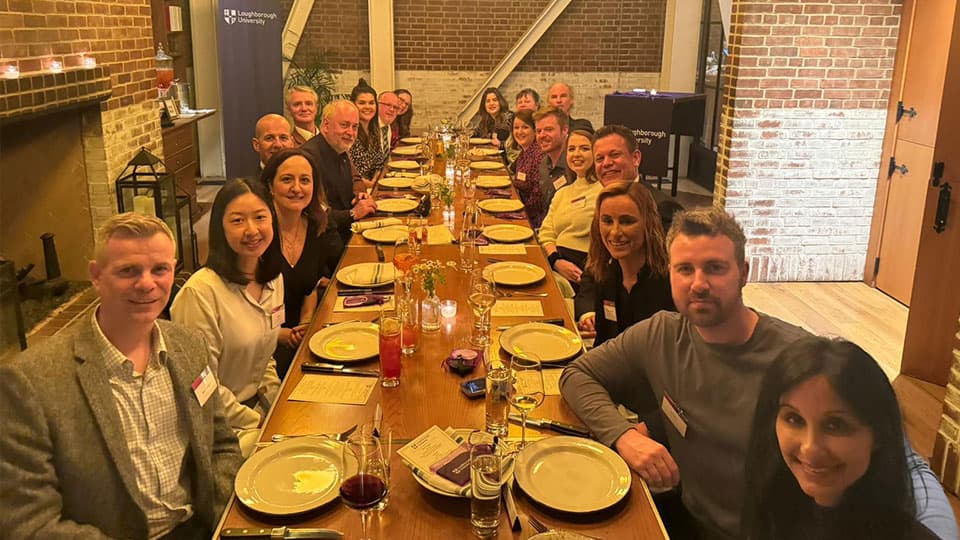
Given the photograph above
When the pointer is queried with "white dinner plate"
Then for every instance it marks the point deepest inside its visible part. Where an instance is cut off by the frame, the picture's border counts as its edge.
(464, 434)
(572, 474)
(483, 152)
(559, 535)
(396, 182)
(367, 274)
(411, 140)
(514, 273)
(508, 233)
(486, 165)
(407, 150)
(479, 140)
(397, 205)
(550, 342)
(500, 205)
(386, 235)
(347, 342)
(486, 181)
(293, 476)
(403, 164)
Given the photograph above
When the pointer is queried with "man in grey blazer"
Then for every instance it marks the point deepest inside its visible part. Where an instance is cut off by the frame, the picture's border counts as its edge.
(112, 429)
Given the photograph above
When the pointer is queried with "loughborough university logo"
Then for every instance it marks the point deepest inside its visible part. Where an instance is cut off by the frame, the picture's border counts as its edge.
(230, 15)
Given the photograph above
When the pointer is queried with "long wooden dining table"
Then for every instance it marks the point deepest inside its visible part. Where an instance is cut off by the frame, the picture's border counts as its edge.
(429, 395)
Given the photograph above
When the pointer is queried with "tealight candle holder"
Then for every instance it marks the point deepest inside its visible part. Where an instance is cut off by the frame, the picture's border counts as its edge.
(11, 71)
(448, 309)
(88, 62)
(55, 66)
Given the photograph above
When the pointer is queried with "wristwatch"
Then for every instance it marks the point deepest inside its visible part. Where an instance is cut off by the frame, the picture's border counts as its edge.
(353, 215)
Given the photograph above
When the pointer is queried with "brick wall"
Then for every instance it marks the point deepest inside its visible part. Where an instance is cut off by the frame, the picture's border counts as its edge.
(802, 131)
(119, 35)
(338, 26)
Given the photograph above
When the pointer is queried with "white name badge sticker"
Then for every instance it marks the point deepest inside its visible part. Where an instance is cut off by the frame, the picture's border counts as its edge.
(609, 310)
(278, 317)
(579, 202)
(522, 176)
(559, 182)
(674, 414)
(204, 385)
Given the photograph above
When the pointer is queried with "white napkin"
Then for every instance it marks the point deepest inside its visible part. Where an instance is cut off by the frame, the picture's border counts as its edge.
(360, 226)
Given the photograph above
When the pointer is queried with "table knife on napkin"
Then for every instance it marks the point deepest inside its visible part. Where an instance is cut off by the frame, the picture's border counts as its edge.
(281, 532)
(321, 367)
(511, 506)
(553, 425)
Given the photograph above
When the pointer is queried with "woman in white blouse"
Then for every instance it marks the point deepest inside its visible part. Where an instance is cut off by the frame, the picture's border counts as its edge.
(565, 232)
(237, 302)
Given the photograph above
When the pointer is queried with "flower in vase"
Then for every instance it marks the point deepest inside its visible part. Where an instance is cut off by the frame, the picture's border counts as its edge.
(430, 274)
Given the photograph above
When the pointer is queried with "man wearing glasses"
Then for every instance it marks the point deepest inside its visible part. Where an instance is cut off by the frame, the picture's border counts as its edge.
(390, 106)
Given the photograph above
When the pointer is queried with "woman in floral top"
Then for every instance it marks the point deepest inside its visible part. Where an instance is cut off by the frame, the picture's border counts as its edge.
(370, 151)
(526, 168)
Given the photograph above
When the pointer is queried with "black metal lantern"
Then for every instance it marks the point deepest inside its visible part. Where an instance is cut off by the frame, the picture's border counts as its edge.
(149, 189)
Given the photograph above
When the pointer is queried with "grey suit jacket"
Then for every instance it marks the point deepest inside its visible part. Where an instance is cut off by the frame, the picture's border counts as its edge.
(64, 465)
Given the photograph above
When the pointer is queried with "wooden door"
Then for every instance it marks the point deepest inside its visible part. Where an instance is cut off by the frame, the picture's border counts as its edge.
(906, 194)
(925, 38)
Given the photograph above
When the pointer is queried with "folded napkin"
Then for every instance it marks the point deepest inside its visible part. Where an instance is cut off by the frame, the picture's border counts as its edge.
(511, 215)
(481, 240)
(360, 226)
(499, 193)
(365, 300)
(374, 274)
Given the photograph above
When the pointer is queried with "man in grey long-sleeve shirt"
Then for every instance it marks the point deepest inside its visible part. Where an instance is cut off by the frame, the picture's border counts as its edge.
(704, 366)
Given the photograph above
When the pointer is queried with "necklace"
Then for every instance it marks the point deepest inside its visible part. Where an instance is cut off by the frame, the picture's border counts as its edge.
(291, 245)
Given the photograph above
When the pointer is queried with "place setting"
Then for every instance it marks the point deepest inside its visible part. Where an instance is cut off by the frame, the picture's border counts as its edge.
(397, 205)
(486, 165)
(403, 164)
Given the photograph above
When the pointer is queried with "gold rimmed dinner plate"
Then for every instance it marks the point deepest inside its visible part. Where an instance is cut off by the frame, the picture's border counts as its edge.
(403, 164)
(347, 342)
(291, 477)
(508, 233)
(396, 182)
(500, 205)
(479, 140)
(572, 474)
(514, 273)
(421, 184)
(487, 181)
(559, 535)
(397, 205)
(411, 140)
(483, 152)
(463, 434)
(386, 235)
(367, 274)
(407, 150)
(486, 165)
(550, 342)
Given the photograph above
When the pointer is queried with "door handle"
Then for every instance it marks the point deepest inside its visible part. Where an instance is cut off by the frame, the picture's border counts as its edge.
(901, 111)
(943, 208)
(893, 167)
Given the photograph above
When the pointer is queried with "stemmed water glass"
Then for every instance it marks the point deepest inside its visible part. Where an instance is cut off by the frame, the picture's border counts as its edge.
(482, 297)
(526, 387)
(364, 490)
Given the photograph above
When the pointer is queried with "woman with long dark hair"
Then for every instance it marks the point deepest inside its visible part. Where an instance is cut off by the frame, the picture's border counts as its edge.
(310, 244)
(493, 119)
(627, 266)
(236, 301)
(369, 153)
(827, 457)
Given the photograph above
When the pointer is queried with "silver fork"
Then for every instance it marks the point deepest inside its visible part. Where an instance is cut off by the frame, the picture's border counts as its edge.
(277, 437)
(541, 528)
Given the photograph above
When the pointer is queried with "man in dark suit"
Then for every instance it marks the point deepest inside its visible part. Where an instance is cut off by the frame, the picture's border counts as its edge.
(338, 131)
(114, 428)
(560, 96)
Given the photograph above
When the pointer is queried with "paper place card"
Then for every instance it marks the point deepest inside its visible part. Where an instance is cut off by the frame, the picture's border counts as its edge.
(517, 308)
(318, 388)
(533, 434)
(503, 249)
(551, 381)
(438, 235)
(430, 447)
(338, 306)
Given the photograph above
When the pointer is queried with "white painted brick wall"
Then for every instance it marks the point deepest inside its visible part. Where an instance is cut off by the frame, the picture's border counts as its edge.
(442, 94)
(802, 184)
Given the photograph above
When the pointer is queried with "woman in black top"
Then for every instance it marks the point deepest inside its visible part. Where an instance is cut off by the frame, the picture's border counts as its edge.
(309, 242)
(827, 457)
(627, 266)
(493, 119)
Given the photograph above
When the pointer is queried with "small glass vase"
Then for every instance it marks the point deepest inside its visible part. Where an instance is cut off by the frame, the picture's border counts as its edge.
(430, 313)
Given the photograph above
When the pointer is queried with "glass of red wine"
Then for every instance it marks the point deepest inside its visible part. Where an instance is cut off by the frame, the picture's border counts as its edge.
(364, 490)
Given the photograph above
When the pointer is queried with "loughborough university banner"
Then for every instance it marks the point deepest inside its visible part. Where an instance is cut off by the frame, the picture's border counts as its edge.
(251, 75)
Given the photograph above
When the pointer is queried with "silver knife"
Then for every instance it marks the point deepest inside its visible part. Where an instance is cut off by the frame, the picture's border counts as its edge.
(321, 367)
(286, 533)
(552, 425)
(511, 507)
(377, 420)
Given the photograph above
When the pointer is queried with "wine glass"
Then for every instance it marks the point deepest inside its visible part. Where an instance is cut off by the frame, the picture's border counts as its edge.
(364, 490)
(482, 296)
(526, 387)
